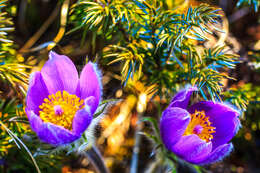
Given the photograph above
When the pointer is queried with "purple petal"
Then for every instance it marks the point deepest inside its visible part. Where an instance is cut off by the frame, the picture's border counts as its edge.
(90, 84)
(223, 118)
(35, 121)
(82, 120)
(55, 135)
(218, 154)
(36, 93)
(173, 124)
(182, 98)
(59, 73)
(192, 149)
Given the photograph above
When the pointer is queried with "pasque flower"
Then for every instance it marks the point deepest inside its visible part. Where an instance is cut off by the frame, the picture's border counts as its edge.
(59, 104)
(200, 133)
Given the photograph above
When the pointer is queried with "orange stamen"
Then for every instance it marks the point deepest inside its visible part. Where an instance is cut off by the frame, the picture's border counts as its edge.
(60, 109)
(201, 126)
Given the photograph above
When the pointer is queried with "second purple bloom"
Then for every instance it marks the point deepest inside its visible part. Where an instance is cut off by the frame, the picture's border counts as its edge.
(200, 133)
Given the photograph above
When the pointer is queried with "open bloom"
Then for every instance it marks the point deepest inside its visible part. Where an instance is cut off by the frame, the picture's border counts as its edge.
(198, 134)
(59, 104)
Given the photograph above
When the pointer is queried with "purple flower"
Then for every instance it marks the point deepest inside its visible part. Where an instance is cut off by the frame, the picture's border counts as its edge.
(59, 104)
(198, 134)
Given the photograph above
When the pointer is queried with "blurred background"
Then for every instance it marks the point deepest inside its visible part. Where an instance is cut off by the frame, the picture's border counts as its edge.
(147, 52)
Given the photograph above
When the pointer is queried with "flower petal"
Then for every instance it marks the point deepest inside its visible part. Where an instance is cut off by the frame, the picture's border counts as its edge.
(173, 124)
(218, 154)
(36, 93)
(55, 135)
(59, 73)
(191, 148)
(35, 121)
(90, 84)
(182, 98)
(223, 118)
(82, 120)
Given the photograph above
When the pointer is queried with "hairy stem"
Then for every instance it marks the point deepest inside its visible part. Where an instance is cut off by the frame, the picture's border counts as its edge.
(134, 162)
(141, 107)
(96, 160)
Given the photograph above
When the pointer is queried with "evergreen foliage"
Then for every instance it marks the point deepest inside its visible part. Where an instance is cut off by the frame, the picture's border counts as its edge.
(150, 47)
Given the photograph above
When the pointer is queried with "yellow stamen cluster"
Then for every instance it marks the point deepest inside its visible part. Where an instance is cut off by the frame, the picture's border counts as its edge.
(200, 119)
(69, 104)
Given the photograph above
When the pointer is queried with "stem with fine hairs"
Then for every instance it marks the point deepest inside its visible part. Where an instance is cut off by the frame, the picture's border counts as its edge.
(134, 162)
(141, 106)
(96, 159)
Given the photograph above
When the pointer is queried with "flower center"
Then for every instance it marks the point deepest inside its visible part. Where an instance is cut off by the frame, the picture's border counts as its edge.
(60, 109)
(197, 129)
(201, 126)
